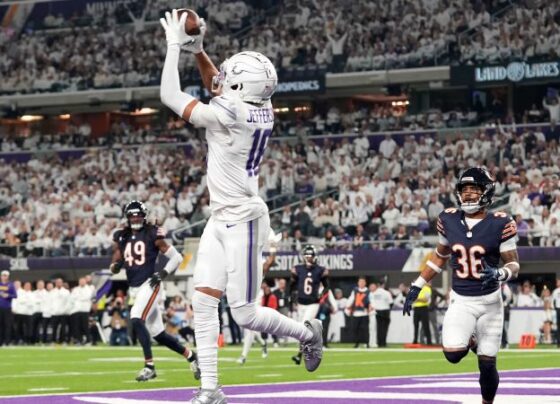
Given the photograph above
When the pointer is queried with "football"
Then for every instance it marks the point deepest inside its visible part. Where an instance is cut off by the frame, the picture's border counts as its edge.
(192, 24)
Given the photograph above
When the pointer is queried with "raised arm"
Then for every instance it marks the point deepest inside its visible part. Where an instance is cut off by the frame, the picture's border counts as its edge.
(207, 70)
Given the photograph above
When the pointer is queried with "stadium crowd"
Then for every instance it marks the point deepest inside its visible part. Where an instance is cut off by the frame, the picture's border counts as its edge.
(386, 194)
(53, 312)
(301, 34)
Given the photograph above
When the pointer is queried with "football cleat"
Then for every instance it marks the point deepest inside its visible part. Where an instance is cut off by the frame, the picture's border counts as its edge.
(264, 351)
(241, 360)
(296, 359)
(194, 367)
(313, 349)
(205, 396)
(146, 374)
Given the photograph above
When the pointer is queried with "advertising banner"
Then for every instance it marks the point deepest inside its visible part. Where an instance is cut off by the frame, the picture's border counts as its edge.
(514, 72)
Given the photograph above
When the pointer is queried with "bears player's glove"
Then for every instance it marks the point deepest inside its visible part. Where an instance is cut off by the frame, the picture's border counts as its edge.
(490, 276)
(157, 277)
(116, 266)
(411, 297)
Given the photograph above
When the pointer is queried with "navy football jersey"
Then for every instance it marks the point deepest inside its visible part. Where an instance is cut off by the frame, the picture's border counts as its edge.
(139, 252)
(308, 281)
(470, 247)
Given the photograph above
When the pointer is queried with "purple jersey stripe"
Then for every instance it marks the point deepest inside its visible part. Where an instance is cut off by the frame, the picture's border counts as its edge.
(250, 263)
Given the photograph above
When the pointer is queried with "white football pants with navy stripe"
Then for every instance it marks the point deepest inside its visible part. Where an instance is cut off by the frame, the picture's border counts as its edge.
(230, 258)
(482, 315)
(146, 306)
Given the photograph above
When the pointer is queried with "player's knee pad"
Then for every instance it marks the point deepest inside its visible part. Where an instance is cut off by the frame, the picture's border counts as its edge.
(455, 356)
(489, 378)
(245, 315)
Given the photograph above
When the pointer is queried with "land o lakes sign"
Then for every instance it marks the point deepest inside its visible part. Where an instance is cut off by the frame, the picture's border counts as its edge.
(514, 72)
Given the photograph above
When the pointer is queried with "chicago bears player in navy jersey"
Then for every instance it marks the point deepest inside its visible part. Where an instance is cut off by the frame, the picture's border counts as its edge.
(136, 248)
(307, 278)
(475, 240)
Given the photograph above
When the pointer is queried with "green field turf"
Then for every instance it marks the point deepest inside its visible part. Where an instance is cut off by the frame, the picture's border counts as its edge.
(36, 370)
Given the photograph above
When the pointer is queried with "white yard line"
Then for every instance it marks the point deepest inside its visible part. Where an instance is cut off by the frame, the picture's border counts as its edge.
(46, 389)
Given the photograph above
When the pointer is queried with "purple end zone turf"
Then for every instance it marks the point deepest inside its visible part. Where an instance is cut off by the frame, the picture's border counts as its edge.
(296, 392)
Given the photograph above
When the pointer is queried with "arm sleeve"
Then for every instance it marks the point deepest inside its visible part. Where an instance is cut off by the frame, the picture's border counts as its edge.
(170, 89)
(175, 258)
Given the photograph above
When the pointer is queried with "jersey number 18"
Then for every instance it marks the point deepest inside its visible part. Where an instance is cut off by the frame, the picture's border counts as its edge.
(260, 138)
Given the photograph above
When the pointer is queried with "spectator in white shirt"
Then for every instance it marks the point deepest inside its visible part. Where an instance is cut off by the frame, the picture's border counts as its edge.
(38, 323)
(81, 298)
(60, 298)
(391, 216)
(381, 300)
(387, 146)
(552, 103)
(528, 298)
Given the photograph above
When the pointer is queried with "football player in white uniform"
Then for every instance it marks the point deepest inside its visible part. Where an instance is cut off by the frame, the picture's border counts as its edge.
(238, 122)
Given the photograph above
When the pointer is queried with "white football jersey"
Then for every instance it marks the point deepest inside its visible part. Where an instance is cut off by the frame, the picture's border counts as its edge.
(237, 135)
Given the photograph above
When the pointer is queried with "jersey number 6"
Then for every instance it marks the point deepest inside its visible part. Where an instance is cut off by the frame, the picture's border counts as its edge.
(308, 286)
(470, 260)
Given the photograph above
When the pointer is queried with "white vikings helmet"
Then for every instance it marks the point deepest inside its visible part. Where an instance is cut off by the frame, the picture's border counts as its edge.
(251, 76)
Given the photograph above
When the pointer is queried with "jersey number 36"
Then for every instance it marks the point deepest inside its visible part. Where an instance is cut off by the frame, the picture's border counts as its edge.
(469, 260)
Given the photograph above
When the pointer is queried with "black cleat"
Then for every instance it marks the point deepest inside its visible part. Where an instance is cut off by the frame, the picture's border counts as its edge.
(296, 359)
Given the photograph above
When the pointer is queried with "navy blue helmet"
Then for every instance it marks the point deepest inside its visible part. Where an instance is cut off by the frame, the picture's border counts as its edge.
(135, 213)
(481, 178)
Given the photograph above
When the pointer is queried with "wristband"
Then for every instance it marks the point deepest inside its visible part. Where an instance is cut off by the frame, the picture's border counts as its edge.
(420, 282)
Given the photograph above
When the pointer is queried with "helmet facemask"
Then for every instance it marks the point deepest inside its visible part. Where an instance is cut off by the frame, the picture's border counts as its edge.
(136, 213)
(481, 179)
(136, 221)
(309, 256)
(469, 207)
